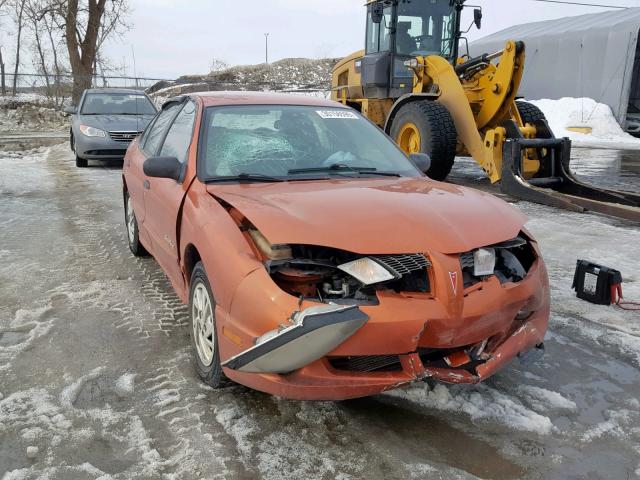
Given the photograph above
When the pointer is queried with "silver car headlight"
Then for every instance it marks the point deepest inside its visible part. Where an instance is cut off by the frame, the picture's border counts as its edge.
(92, 131)
(367, 271)
(484, 262)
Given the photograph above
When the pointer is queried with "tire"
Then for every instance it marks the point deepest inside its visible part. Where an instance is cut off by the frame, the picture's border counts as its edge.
(529, 113)
(204, 338)
(81, 162)
(131, 223)
(436, 134)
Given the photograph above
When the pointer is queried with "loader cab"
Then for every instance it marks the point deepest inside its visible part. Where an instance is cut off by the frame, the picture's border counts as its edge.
(398, 30)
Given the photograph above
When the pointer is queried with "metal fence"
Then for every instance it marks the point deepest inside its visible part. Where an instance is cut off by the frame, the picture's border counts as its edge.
(55, 90)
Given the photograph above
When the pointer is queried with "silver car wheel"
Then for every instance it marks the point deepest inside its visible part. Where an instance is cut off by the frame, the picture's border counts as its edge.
(202, 324)
(131, 221)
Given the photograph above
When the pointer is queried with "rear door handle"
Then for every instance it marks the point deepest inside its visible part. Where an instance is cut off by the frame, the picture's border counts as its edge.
(146, 185)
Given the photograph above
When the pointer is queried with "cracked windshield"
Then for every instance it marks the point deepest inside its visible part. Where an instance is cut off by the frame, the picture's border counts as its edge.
(278, 140)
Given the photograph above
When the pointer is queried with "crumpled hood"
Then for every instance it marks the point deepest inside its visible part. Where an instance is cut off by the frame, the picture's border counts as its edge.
(377, 216)
(110, 123)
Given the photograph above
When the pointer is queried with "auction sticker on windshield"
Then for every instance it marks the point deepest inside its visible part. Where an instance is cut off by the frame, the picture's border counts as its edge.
(336, 114)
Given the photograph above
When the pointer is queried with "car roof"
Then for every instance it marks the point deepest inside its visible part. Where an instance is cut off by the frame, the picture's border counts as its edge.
(210, 99)
(114, 90)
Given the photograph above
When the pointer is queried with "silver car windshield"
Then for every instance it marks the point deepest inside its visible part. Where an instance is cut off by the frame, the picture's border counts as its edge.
(117, 104)
(286, 141)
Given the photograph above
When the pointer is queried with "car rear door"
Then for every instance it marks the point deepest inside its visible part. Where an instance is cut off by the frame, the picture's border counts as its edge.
(163, 197)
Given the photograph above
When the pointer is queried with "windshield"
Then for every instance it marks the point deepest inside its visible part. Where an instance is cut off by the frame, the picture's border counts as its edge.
(117, 104)
(425, 28)
(280, 140)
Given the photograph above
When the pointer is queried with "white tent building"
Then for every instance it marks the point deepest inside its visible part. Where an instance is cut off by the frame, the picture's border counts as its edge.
(593, 55)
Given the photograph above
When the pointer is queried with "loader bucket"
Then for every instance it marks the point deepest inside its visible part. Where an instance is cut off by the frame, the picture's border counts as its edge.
(554, 184)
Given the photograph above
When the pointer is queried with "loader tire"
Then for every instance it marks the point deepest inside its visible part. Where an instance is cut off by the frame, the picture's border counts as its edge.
(427, 127)
(529, 113)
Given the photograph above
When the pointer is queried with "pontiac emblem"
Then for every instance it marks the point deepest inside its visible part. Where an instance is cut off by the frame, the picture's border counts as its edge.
(453, 276)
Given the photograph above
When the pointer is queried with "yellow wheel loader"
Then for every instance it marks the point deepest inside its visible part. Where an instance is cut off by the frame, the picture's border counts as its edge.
(412, 82)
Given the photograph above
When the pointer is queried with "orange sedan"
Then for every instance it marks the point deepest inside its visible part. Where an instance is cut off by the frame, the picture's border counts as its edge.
(318, 261)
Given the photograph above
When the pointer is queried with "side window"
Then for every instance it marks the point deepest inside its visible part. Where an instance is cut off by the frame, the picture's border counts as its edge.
(158, 129)
(147, 129)
(179, 137)
(378, 34)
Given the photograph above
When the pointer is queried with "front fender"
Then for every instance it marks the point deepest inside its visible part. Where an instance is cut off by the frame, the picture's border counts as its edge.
(225, 253)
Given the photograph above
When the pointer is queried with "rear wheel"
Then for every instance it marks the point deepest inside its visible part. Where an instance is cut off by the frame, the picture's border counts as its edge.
(529, 113)
(133, 234)
(427, 127)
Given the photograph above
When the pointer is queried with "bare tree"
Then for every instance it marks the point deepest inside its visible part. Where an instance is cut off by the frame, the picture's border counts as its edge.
(48, 21)
(218, 65)
(3, 86)
(34, 13)
(18, 6)
(87, 24)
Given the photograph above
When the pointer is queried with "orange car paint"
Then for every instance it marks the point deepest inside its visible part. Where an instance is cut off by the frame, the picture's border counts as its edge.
(384, 216)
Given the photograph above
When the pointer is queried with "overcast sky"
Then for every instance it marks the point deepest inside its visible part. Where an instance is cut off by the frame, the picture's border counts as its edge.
(173, 38)
(177, 37)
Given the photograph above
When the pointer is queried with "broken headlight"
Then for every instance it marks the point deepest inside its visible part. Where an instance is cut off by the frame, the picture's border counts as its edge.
(367, 271)
(484, 262)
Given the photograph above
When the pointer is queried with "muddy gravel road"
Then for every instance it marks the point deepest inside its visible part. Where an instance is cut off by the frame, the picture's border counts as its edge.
(97, 382)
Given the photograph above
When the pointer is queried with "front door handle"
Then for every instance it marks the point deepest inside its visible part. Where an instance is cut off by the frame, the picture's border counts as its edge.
(146, 185)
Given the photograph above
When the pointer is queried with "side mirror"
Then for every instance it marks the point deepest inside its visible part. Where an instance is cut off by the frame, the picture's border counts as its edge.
(163, 167)
(377, 12)
(477, 17)
(421, 160)
(70, 110)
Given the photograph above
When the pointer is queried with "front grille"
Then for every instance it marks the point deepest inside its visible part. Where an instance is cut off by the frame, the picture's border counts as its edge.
(123, 136)
(367, 363)
(466, 260)
(403, 264)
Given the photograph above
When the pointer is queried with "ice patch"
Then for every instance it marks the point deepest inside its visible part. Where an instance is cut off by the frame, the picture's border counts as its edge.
(542, 399)
(479, 402)
(70, 393)
(124, 384)
(620, 423)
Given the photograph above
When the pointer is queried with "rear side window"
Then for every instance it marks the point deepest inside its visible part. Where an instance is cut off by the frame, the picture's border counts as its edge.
(179, 137)
(158, 130)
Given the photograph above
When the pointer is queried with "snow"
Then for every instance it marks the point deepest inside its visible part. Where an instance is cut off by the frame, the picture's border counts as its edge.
(480, 403)
(542, 399)
(579, 112)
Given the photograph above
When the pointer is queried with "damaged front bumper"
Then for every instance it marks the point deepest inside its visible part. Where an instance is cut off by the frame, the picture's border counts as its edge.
(312, 333)
(411, 337)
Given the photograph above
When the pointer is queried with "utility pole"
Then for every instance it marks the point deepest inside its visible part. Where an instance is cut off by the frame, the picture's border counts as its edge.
(266, 48)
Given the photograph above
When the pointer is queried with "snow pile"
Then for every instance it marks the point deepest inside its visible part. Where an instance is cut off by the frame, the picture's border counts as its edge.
(480, 403)
(30, 112)
(289, 75)
(585, 112)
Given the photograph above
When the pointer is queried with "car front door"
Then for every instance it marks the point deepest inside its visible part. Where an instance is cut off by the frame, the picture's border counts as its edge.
(163, 197)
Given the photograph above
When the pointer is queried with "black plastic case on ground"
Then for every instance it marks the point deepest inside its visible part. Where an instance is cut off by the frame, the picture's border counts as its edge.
(593, 282)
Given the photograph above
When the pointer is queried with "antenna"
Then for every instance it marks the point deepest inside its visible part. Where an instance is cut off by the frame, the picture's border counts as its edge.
(135, 99)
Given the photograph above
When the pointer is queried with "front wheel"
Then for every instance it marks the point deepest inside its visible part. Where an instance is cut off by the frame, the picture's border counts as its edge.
(204, 338)
(427, 127)
(80, 162)
(133, 234)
